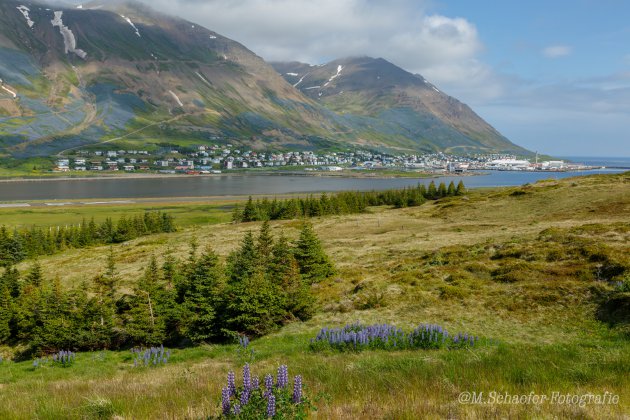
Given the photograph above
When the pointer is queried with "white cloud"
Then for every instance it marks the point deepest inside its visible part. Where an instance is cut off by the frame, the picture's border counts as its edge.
(556, 51)
(401, 31)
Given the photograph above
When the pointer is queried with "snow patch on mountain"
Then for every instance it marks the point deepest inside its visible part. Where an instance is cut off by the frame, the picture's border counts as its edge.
(25, 11)
(213, 37)
(301, 80)
(176, 98)
(293, 74)
(312, 87)
(203, 78)
(69, 40)
(132, 25)
(6, 89)
(333, 77)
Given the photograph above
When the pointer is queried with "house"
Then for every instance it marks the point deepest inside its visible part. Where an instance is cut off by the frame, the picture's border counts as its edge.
(331, 168)
(129, 168)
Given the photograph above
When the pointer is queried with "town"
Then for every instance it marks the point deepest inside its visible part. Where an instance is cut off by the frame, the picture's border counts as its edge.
(216, 159)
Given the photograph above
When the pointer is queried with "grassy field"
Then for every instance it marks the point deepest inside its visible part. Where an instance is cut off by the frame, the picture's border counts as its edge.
(187, 214)
(527, 269)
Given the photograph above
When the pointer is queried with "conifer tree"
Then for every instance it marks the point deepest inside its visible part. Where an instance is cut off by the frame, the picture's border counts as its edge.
(461, 189)
(6, 314)
(105, 300)
(182, 282)
(169, 269)
(203, 297)
(243, 262)
(111, 274)
(237, 214)
(249, 211)
(55, 329)
(34, 276)
(432, 191)
(145, 322)
(441, 190)
(451, 189)
(11, 280)
(264, 244)
(251, 306)
(423, 191)
(314, 264)
(28, 312)
(295, 294)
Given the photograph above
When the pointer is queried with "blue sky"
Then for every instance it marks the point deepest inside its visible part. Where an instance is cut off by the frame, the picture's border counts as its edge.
(555, 52)
(552, 76)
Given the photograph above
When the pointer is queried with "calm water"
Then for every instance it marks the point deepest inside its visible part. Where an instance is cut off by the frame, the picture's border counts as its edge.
(609, 162)
(227, 185)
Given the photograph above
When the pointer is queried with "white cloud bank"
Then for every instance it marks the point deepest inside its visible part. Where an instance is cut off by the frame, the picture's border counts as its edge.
(443, 49)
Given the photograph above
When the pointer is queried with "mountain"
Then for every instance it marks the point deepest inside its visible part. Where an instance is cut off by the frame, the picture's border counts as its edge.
(119, 72)
(374, 93)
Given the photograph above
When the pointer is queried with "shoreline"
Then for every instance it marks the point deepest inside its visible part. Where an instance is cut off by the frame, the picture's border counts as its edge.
(371, 175)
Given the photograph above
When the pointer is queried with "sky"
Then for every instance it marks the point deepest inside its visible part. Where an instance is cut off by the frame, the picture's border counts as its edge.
(552, 76)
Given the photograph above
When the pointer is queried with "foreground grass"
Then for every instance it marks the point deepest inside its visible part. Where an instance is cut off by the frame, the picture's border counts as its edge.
(374, 384)
(517, 267)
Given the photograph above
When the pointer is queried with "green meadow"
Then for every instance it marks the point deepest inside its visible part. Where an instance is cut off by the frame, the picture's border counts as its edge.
(540, 273)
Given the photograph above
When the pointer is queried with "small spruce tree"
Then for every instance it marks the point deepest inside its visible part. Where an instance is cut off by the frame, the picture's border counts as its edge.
(313, 262)
(461, 189)
(451, 189)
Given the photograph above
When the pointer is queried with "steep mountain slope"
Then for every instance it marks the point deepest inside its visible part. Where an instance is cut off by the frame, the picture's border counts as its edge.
(370, 91)
(119, 72)
(91, 74)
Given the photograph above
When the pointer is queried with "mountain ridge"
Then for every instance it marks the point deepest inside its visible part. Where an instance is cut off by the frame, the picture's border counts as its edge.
(125, 73)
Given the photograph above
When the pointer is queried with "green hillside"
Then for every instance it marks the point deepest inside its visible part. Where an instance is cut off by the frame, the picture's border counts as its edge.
(539, 273)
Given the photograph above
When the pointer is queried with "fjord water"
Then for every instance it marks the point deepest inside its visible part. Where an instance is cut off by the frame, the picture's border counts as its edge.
(232, 185)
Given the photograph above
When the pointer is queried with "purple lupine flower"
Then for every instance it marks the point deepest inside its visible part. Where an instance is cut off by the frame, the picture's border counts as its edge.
(225, 401)
(283, 376)
(297, 389)
(231, 383)
(245, 397)
(268, 385)
(271, 406)
(236, 409)
(247, 377)
(256, 382)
